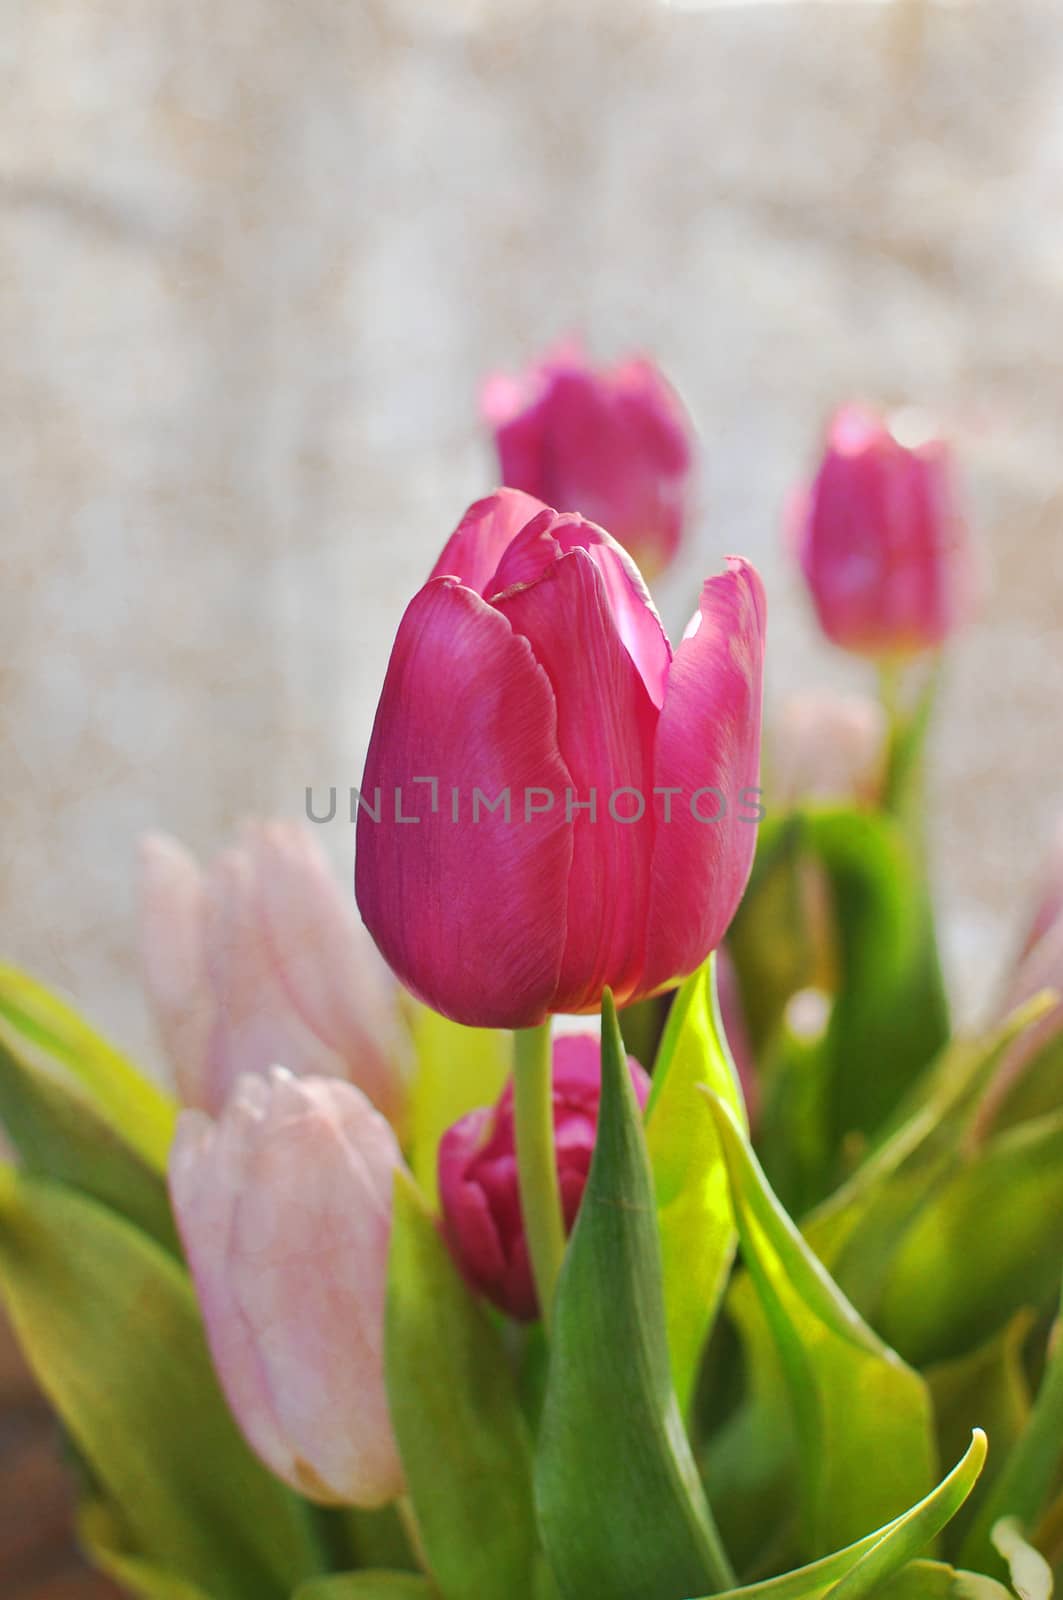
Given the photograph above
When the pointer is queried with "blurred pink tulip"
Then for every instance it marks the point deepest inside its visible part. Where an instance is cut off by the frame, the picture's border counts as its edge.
(551, 681)
(478, 1184)
(614, 444)
(829, 747)
(284, 1209)
(1039, 967)
(262, 960)
(880, 539)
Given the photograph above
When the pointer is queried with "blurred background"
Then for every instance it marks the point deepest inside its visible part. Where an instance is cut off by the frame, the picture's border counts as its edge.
(254, 260)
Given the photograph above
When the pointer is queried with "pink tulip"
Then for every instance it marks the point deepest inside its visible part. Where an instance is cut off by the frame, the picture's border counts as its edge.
(262, 960)
(478, 1184)
(284, 1209)
(1039, 967)
(881, 542)
(829, 747)
(552, 683)
(614, 444)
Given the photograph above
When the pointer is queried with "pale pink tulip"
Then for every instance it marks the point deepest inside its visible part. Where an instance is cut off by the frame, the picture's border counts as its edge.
(262, 960)
(828, 747)
(284, 1209)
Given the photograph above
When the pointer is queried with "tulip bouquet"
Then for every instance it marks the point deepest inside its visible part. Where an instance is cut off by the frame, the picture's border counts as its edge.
(747, 1289)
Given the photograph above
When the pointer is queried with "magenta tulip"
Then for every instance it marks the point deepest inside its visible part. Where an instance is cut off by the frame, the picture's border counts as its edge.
(478, 1185)
(552, 803)
(263, 960)
(881, 541)
(614, 444)
(284, 1209)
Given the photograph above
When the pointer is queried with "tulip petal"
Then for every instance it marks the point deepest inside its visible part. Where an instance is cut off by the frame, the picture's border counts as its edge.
(464, 702)
(172, 894)
(255, 1022)
(325, 961)
(605, 730)
(285, 1211)
(476, 546)
(708, 737)
(539, 544)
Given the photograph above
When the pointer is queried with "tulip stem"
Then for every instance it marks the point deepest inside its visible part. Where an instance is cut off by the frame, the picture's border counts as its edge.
(540, 1195)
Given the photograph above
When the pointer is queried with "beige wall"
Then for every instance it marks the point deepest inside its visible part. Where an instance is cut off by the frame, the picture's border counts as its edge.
(253, 257)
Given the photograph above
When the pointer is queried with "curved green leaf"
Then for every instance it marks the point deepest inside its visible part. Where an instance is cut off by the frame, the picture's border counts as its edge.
(862, 1418)
(912, 1533)
(136, 1107)
(456, 1416)
(59, 1135)
(110, 1326)
(100, 1536)
(877, 1555)
(620, 1504)
(693, 1203)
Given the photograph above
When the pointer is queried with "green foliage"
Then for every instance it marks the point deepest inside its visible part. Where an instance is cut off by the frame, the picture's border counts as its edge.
(866, 1566)
(456, 1416)
(110, 1326)
(59, 1134)
(620, 1505)
(365, 1585)
(693, 1204)
(861, 1418)
(457, 1069)
(139, 1111)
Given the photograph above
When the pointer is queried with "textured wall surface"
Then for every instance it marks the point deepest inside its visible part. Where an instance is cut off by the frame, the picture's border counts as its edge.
(253, 258)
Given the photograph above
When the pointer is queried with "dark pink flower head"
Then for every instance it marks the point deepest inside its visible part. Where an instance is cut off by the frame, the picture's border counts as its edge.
(552, 803)
(881, 541)
(478, 1184)
(613, 443)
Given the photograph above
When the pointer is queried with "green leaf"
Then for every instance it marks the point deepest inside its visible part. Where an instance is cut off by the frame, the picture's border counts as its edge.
(136, 1108)
(877, 1556)
(59, 1134)
(693, 1203)
(856, 1232)
(769, 938)
(933, 1580)
(457, 1070)
(912, 1533)
(621, 1507)
(861, 1417)
(100, 1535)
(457, 1419)
(1031, 1467)
(110, 1326)
(1002, 1209)
(890, 1015)
(365, 1586)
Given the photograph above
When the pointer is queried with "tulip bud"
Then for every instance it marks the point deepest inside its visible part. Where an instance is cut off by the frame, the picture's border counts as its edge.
(261, 960)
(880, 539)
(284, 1210)
(583, 801)
(829, 747)
(615, 444)
(478, 1183)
